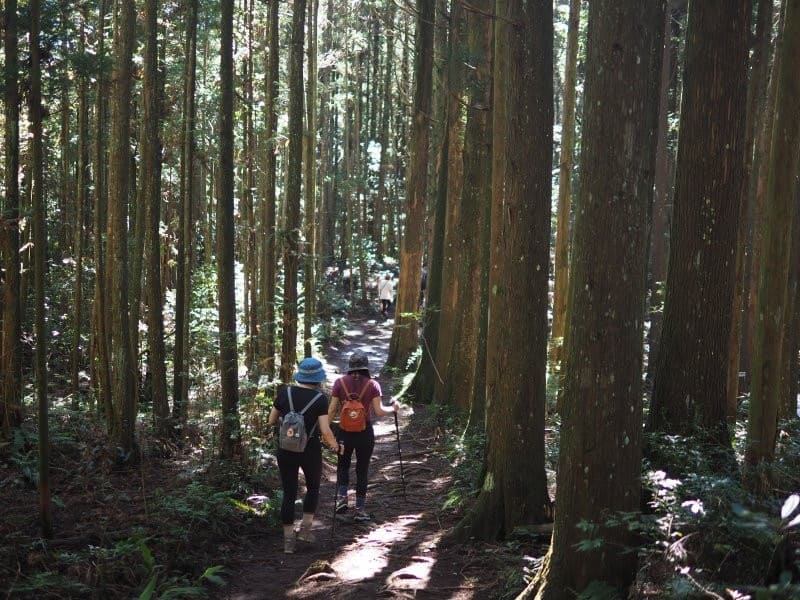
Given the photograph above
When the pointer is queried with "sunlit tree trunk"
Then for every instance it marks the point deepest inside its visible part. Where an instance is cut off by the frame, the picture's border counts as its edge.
(12, 327)
(689, 388)
(514, 488)
(124, 391)
(310, 189)
(601, 442)
(767, 391)
(269, 244)
(565, 167)
(228, 362)
(291, 252)
(39, 267)
(183, 284)
(404, 334)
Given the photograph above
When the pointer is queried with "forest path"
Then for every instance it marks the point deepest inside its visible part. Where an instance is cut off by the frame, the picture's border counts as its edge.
(397, 555)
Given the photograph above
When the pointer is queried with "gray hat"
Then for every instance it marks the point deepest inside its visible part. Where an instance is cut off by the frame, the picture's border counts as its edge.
(358, 361)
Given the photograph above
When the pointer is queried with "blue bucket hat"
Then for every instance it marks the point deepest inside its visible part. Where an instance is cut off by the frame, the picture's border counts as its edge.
(310, 370)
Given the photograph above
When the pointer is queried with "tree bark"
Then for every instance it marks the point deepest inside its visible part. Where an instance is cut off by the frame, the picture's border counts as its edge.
(39, 268)
(600, 457)
(12, 323)
(293, 229)
(404, 335)
(767, 391)
(514, 490)
(228, 359)
(689, 388)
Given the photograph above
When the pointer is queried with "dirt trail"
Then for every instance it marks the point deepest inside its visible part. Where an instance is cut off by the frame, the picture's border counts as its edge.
(396, 556)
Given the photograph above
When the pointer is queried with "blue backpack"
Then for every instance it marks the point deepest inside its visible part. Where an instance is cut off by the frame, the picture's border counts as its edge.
(293, 435)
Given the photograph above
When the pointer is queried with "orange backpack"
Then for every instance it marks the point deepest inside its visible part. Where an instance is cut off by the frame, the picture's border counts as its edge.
(353, 416)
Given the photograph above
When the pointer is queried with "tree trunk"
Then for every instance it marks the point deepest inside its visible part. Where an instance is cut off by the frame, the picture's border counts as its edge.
(767, 391)
(565, 166)
(183, 284)
(404, 335)
(228, 362)
(310, 189)
(81, 203)
(689, 388)
(600, 458)
(39, 267)
(12, 323)
(759, 69)
(151, 195)
(269, 245)
(291, 252)
(101, 315)
(514, 490)
(124, 391)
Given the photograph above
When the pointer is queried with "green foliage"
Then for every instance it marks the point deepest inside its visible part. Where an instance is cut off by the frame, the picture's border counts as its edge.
(710, 529)
(175, 587)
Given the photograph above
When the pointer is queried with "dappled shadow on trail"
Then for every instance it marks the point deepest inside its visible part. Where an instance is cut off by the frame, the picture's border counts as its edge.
(399, 555)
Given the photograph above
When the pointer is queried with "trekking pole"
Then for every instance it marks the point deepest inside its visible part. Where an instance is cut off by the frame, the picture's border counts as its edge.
(335, 495)
(400, 454)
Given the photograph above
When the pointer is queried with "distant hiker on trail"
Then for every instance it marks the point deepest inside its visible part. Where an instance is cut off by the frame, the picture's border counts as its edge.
(360, 398)
(303, 412)
(386, 294)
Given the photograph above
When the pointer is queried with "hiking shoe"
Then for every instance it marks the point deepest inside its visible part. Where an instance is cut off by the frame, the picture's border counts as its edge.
(362, 516)
(341, 506)
(307, 536)
(289, 544)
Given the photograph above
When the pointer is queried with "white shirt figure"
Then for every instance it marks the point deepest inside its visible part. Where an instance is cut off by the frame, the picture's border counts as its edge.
(386, 289)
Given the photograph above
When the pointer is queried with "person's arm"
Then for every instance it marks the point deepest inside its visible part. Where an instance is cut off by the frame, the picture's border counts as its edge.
(274, 414)
(327, 434)
(381, 411)
(332, 408)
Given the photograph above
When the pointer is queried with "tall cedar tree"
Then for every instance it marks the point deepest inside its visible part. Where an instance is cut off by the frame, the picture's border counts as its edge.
(689, 389)
(183, 283)
(756, 92)
(291, 251)
(404, 334)
(514, 489)
(269, 245)
(470, 342)
(151, 195)
(446, 210)
(119, 185)
(81, 205)
(771, 342)
(565, 166)
(226, 268)
(600, 457)
(101, 316)
(40, 256)
(12, 324)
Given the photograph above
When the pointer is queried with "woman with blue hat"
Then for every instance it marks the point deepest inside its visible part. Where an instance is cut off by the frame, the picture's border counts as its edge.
(307, 399)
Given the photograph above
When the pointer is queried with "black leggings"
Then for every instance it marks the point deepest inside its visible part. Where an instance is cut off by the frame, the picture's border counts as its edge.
(363, 443)
(386, 305)
(289, 464)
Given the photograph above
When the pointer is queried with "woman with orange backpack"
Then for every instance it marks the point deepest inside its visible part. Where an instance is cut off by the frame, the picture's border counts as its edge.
(360, 399)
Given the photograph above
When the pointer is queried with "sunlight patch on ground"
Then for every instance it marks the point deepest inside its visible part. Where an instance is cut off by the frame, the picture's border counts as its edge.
(369, 554)
(417, 575)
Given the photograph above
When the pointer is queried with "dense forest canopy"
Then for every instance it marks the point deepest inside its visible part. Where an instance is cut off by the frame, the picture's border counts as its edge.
(589, 210)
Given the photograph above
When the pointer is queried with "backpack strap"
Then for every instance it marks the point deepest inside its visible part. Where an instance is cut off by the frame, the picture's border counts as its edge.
(307, 406)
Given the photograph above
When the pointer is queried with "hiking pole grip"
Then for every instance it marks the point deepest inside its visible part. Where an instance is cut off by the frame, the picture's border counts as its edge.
(400, 453)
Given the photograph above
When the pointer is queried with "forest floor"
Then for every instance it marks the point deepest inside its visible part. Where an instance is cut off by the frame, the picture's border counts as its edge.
(159, 525)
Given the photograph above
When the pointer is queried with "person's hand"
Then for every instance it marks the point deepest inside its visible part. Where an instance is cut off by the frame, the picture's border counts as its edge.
(396, 406)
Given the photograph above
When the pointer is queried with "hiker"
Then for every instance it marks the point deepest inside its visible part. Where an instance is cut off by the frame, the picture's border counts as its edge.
(360, 398)
(386, 294)
(307, 397)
